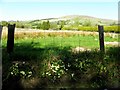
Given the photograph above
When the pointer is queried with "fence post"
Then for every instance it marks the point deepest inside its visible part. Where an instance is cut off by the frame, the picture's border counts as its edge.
(0, 58)
(10, 40)
(0, 33)
(101, 38)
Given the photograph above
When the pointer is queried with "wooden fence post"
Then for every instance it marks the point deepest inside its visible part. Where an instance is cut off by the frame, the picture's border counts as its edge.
(0, 33)
(0, 58)
(10, 40)
(101, 38)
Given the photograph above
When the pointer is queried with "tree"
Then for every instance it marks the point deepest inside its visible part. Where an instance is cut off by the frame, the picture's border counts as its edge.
(87, 23)
(76, 21)
(4, 23)
(61, 23)
(61, 26)
(45, 25)
(19, 24)
(39, 26)
(113, 23)
(53, 25)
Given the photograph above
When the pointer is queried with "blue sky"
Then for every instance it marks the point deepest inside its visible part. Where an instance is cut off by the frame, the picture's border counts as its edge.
(38, 10)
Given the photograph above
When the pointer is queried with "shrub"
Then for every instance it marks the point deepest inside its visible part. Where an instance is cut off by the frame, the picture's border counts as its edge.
(111, 29)
(114, 29)
(45, 25)
(4, 23)
(88, 28)
(39, 26)
(87, 23)
(20, 25)
(54, 70)
(69, 27)
(54, 26)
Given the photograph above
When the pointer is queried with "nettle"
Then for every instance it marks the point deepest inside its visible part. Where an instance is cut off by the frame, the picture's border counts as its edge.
(23, 70)
(55, 70)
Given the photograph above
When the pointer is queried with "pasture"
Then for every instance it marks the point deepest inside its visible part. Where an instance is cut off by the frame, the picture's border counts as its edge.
(49, 60)
(43, 38)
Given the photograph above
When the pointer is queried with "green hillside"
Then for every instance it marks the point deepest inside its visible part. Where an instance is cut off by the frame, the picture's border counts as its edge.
(81, 20)
(70, 22)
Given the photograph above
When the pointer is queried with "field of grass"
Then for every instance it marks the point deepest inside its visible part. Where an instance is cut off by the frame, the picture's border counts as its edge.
(59, 38)
(46, 60)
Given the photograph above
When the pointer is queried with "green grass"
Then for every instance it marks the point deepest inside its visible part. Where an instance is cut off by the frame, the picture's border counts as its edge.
(53, 65)
(87, 41)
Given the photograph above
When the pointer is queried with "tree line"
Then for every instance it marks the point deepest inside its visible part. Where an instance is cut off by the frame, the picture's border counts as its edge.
(57, 25)
(45, 25)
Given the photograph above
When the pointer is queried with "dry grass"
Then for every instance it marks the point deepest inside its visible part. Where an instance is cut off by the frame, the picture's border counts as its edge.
(113, 43)
(21, 33)
(30, 83)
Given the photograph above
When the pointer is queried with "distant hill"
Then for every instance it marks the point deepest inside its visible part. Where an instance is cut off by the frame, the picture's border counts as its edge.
(64, 22)
(81, 19)
(82, 16)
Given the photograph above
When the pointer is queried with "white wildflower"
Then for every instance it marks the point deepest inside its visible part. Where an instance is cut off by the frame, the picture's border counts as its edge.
(23, 62)
(72, 74)
(53, 70)
(30, 72)
(29, 75)
(12, 73)
(22, 72)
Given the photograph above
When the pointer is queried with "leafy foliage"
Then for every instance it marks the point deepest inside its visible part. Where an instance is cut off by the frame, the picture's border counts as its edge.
(45, 25)
(53, 26)
(55, 70)
(92, 28)
(23, 70)
(4, 23)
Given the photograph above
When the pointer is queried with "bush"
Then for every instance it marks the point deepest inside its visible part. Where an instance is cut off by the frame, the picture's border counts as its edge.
(4, 23)
(38, 26)
(55, 70)
(22, 70)
(114, 29)
(69, 27)
(111, 29)
(45, 25)
(20, 25)
(87, 23)
(88, 28)
(54, 26)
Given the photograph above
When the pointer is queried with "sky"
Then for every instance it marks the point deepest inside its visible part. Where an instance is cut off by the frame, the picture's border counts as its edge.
(40, 9)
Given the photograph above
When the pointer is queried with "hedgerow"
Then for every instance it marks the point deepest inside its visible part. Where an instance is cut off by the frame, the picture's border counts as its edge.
(114, 29)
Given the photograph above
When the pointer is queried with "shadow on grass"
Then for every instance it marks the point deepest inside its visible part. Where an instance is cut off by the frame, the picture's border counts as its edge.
(82, 70)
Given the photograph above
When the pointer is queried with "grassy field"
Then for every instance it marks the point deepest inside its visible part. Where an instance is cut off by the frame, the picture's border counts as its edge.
(59, 38)
(46, 60)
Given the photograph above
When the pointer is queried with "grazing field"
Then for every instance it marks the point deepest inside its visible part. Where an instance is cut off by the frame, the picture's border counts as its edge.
(47, 59)
(45, 38)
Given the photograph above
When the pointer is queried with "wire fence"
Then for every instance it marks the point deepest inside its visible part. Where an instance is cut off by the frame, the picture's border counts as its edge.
(78, 40)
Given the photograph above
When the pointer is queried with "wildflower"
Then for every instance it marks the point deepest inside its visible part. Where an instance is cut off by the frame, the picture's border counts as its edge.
(22, 72)
(72, 74)
(30, 72)
(12, 73)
